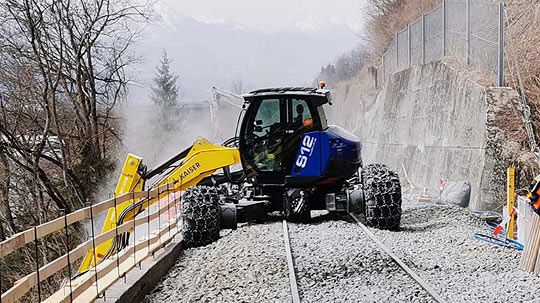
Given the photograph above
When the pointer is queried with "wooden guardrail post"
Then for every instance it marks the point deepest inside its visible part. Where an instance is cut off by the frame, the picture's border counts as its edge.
(68, 249)
(116, 240)
(94, 247)
(168, 209)
(134, 234)
(159, 213)
(148, 221)
(37, 263)
(2, 259)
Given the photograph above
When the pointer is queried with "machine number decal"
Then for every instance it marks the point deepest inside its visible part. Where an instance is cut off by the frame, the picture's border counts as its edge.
(306, 149)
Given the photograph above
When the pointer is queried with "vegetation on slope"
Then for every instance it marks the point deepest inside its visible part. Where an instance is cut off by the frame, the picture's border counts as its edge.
(62, 74)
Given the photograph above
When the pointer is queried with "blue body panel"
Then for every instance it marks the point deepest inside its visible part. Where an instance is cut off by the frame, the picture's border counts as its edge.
(318, 148)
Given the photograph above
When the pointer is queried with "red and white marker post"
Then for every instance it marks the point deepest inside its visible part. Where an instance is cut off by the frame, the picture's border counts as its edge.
(505, 221)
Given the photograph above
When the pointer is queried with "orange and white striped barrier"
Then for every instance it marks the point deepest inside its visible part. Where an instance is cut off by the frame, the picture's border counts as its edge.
(505, 221)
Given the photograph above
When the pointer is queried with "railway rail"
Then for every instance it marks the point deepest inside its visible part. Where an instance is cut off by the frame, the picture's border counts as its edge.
(296, 298)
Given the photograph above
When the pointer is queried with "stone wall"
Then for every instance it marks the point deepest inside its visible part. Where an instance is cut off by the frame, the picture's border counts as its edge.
(436, 123)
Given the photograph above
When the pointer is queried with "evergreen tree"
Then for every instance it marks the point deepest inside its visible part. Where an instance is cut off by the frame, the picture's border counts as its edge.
(165, 91)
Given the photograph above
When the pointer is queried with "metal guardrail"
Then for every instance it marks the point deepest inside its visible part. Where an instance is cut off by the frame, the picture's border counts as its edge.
(93, 283)
(471, 31)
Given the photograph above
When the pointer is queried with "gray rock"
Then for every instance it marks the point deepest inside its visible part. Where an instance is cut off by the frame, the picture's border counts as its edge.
(336, 262)
(246, 265)
(437, 242)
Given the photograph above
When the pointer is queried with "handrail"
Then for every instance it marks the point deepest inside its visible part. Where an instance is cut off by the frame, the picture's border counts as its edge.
(23, 285)
(22, 238)
(105, 268)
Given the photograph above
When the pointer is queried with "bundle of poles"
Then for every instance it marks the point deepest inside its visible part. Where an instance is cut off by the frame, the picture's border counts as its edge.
(530, 259)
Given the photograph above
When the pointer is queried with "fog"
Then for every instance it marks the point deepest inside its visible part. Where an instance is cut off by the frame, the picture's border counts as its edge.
(218, 43)
(261, 44)
(271, 16)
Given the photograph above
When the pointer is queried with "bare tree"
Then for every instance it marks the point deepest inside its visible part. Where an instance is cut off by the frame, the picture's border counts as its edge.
(385, 17)
(6, 214)
(64, 60)
(63, 69)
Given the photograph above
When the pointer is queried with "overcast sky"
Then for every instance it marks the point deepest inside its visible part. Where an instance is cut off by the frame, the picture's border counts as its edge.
(272, 15)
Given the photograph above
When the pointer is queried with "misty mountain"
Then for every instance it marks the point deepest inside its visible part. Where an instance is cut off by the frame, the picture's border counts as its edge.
(215, 53)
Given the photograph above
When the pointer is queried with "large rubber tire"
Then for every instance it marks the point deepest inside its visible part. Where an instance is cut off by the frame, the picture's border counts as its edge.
(382, 192)
(200, 213)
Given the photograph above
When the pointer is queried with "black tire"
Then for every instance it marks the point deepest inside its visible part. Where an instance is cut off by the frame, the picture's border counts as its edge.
(200, 214)
(382, 192)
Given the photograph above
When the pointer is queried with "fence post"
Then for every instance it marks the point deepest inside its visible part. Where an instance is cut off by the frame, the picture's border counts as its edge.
(116, 238)
(375, 71)
(397, 51)
(443, 22)
(148, 220)
(159, 216)
(383, 69)
(94, 247)
(409, 44)
(467, 31)
(68, 258)
(500, 48)
(168, 208)
(134, 233)
(37, 263)
(423, 38)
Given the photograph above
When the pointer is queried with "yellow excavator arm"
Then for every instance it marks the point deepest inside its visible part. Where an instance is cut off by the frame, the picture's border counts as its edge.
(202, 160)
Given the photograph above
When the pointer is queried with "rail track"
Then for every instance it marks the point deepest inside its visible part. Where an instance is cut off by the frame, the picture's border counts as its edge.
(295, 293)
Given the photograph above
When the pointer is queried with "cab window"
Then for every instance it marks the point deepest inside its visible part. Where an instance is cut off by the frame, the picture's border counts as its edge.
(263, 136)
(267, 118)
(301, 114)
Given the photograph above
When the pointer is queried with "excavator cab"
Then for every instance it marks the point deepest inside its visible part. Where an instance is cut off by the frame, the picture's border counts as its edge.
(272, 130)
(290, 154)
(285, 139)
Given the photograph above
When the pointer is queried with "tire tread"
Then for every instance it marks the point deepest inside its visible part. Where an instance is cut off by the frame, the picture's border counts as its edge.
(383, 197)
(200, 215)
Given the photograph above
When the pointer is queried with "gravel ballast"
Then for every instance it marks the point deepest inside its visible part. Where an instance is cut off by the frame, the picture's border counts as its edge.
(437, 242)
(335, 262)
(244, 265)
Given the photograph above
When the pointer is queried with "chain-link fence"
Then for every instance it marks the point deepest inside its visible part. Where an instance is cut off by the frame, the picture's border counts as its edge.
(471, 31)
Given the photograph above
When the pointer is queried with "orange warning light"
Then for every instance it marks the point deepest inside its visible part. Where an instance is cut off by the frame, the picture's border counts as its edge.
(322, 84)
(308, 123)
